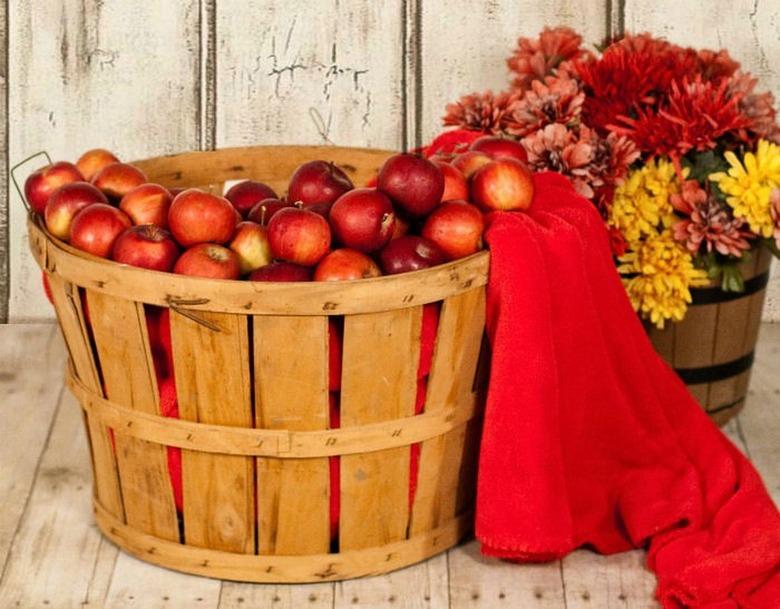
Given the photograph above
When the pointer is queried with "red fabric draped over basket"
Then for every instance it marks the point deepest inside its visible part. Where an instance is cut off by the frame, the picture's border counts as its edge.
(591, 439)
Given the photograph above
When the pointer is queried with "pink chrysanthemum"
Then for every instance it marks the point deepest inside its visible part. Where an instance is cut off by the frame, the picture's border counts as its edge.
(710, 225)
(536, 58)
(478, 111)
(757, 108)
(556, 100)
(611, 160)
(556, 148)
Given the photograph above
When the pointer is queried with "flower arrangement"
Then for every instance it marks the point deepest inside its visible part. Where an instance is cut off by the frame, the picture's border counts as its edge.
(675, 146)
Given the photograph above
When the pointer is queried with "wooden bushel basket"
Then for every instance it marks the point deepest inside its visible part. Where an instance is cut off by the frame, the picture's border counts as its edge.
(712, 348)
(251, 368)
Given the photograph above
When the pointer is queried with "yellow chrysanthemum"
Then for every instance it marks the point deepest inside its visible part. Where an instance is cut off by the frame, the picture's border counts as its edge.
(661, 273)
(749, 186)
(641, 204)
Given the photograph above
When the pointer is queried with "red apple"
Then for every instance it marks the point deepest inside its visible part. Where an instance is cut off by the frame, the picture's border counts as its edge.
(40, 184)
(415, 184)
(500, 147)
(505, 185)
(92, 161)
(455, 185)
(363, 219)
(410, 253)
(246, 194)
(117, 179)
(281, 271)
(299, 236)
(456, 227)
(147, 204)
(468, 163)
(197, 216)
(208, 260)
(65, 203)
(345, 265)
(250, 243)
(264, 210)
(317, 182)
(95, 228)
(147, 246)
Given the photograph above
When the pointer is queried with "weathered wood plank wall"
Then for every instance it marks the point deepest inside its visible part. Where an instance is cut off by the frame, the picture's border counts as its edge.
(152, 78)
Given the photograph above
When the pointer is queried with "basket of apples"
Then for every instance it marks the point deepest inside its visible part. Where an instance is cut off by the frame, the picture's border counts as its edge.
(275, 388)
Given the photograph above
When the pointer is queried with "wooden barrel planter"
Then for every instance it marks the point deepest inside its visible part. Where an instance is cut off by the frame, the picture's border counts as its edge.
(712, 348)
(255, 427)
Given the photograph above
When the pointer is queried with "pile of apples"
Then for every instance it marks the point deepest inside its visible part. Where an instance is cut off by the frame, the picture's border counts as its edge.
(420, 213)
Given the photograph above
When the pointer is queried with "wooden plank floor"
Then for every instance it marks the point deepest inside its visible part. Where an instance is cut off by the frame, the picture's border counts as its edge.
(52, 556)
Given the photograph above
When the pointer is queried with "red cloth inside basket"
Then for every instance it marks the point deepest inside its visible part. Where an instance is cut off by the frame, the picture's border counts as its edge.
(169, 407)
(591, 439)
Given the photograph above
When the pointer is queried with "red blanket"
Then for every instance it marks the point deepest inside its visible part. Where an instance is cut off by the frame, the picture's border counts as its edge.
(591, 439)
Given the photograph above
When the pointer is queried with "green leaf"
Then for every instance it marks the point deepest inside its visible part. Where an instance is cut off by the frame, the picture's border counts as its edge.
(702, 164)
(771, 245)
(732, 280)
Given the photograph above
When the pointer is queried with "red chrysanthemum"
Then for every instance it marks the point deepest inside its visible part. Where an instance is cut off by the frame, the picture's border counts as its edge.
(632, 74)
(478, 111)
(694, 115)
(536, 58)
(716, 65)
(617, 242)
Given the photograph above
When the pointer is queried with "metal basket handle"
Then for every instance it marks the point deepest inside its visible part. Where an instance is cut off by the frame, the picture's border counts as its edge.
(43, 153)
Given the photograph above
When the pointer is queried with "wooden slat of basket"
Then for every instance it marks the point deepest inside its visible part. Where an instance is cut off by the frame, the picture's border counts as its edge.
(119, 329)
(281, 444)
(283, 569)
(291, 392)
(458, 343)
(211, 365)
(266, 298)
(67, 304)
(379, 381)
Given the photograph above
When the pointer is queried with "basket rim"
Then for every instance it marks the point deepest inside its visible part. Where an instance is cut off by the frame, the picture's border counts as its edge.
(377, 294)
